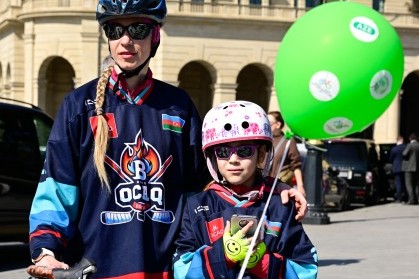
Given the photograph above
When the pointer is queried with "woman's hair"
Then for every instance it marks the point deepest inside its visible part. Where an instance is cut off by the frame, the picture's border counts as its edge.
(278, 117)
(101, 135)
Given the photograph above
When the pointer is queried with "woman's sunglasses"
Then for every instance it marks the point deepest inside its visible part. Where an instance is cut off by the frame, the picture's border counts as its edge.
(243, 151)
(137, 31)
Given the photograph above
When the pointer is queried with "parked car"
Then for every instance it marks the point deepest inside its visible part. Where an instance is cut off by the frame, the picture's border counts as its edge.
(358, 162)
(24, 131)
(335, 189)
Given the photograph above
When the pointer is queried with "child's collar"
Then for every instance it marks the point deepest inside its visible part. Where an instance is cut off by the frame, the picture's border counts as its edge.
(240, 192)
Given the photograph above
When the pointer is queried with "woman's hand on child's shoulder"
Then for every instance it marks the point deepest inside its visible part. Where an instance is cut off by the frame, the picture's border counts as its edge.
(300, 201)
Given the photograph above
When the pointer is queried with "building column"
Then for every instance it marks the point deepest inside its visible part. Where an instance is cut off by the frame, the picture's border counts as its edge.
(273, 101)
(224, 92)
(90, 40)
(30, 91)
(207, 6)
(386, 127)
(40, 86)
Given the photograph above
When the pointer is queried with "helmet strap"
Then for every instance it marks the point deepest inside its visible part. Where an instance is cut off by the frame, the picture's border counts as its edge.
(213, 170)
(223, 182)
(155, 40)
(268, 161)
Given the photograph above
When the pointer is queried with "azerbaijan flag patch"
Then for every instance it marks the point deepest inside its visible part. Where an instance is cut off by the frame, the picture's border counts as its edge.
(273, 228)
(172, 123)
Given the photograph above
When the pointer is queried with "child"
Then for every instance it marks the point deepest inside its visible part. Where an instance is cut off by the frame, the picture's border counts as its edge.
(236, 137)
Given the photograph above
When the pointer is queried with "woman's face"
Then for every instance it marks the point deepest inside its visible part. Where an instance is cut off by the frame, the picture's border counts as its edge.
(237, 170)
(275, 125)
(127, 52)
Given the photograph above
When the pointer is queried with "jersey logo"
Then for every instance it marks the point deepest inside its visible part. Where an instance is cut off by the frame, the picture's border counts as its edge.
(110, 119)
(140, 192)
(215, 229)
(201, 208)
(172, 123)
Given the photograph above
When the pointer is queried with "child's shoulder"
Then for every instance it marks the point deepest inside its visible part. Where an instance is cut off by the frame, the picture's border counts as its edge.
(278, 184)
(203, 195)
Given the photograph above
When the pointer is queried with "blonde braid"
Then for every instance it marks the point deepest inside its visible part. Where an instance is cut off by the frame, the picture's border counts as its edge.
(101, 138)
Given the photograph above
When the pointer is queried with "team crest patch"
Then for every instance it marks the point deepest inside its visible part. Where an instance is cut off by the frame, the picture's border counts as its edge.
(215, 229)
(110, 119)
(141, 194)
(172, 123)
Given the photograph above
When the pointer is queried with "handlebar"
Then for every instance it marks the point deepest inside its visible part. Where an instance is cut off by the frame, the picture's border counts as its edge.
(81, 270)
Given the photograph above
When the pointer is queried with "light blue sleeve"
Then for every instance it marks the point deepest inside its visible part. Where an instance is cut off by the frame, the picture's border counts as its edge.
(54, 205)
(297, 271)
(189, 266)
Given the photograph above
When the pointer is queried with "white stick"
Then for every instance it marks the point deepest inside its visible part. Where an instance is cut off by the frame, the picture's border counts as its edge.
(260, 223)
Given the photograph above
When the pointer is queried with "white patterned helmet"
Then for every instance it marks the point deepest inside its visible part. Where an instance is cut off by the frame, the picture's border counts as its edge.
(235, 121)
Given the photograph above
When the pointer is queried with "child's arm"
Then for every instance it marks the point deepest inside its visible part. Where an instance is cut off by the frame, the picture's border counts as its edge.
(294, 249)
(196, 257)
(187, 249)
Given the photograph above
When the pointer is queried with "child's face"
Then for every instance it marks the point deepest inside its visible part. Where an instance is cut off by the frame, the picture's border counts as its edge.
(239, 161)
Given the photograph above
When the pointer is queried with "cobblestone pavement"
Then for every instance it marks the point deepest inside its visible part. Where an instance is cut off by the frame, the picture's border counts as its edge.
(370, 242)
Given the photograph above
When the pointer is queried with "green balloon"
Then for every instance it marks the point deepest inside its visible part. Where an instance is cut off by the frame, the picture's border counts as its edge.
(338, 68)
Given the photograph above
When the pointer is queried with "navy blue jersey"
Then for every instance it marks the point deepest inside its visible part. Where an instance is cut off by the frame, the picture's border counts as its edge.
(199, 248)
(154, 159)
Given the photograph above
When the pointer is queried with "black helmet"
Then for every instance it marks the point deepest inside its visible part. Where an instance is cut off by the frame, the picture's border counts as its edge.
(153, 9)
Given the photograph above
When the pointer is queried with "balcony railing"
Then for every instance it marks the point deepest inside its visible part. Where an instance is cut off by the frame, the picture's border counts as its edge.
(41, 8)
(233, 10)
(279, 13)
(227, 10)
(48, 4)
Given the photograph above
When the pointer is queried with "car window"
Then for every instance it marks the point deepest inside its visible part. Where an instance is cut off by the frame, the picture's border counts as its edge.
(346, 152)
(3, 144)
(18, 137)
(43, 130)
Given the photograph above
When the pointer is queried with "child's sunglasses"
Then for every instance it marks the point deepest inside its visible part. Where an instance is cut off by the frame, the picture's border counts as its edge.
(242, 151)
(137, 31)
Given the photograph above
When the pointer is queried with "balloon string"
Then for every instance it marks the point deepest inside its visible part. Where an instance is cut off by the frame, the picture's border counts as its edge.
(260, 223)
(306, 143)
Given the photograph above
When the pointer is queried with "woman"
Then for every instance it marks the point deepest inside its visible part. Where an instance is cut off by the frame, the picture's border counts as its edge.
(123, 152)
(292, 161)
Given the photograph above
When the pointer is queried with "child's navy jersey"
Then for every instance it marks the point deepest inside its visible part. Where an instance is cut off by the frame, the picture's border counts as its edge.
(199, 248)
(154, 158)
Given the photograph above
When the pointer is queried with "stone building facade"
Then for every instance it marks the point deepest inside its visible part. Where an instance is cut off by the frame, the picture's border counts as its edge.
(217, 51)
